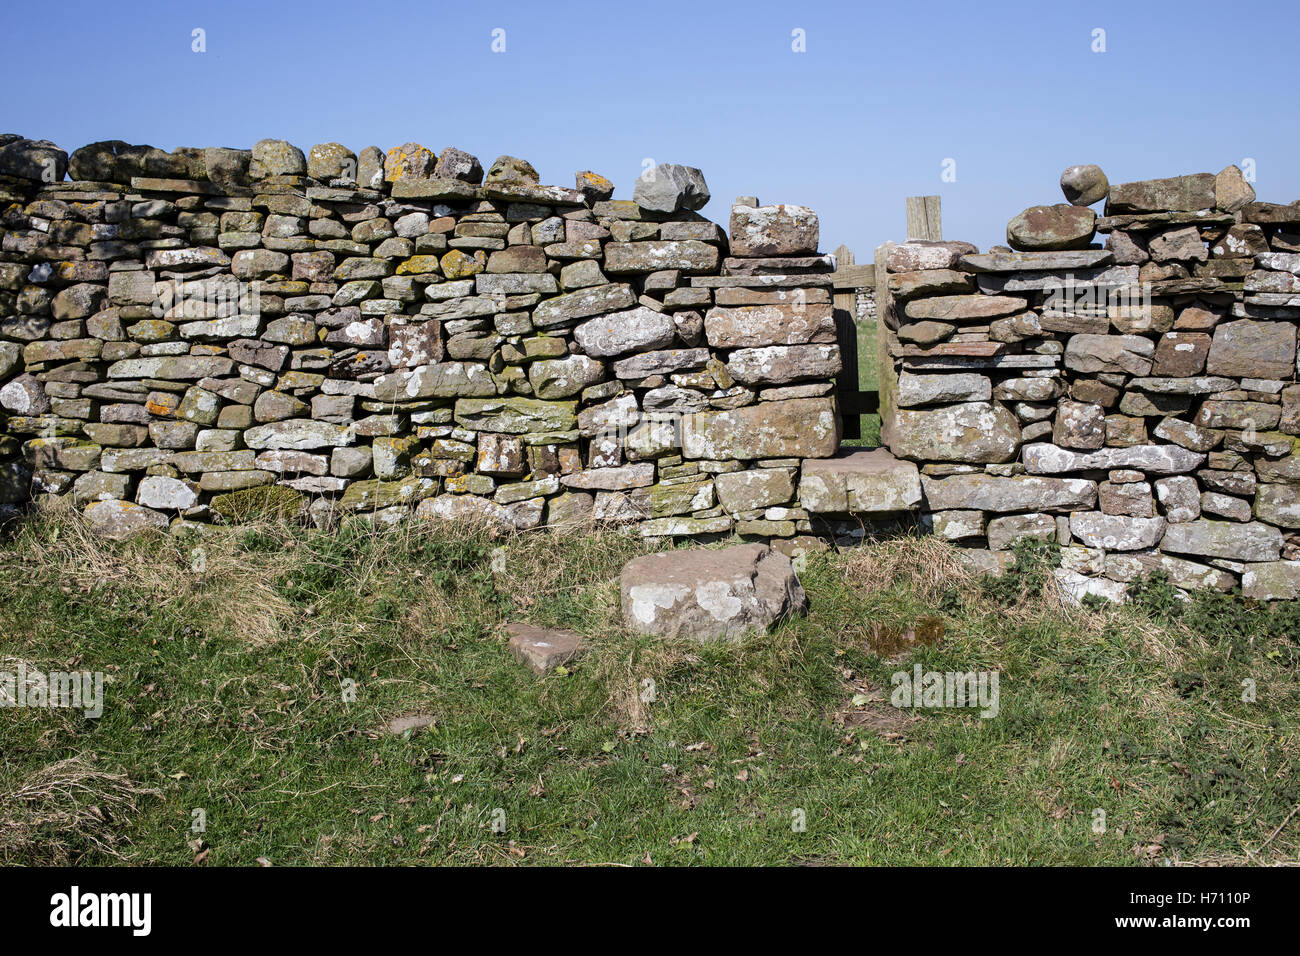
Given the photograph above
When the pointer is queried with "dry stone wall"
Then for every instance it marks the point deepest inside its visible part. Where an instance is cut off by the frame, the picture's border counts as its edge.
(203, 335)
(200, 335)
(1134, 401)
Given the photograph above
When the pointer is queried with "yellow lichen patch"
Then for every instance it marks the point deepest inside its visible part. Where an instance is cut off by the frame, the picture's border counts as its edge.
(457, 265)
(418, 265)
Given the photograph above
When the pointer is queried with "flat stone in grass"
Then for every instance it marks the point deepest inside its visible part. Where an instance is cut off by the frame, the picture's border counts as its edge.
(710, 594)
(543, 649)
(122, 519)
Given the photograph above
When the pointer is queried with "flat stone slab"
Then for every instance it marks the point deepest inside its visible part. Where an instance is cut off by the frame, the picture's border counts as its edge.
(1116, 532)
(1047, 459)
(981, 492)
(122, 519)
(866, 480)
(543, 649)
(1272, 581)
(795, 428)
(1234, 541)
(1036, 261)
(710, 594)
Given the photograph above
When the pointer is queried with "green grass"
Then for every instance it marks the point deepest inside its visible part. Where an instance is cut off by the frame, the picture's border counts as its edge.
(867, 382)
(225, 694)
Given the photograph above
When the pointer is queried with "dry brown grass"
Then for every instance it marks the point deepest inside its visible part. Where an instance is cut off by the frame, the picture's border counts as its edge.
(234, 589)
(65, 809)
(930, 566)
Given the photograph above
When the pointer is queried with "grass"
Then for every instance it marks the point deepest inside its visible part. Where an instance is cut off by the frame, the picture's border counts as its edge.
(225, 693)
(867, 382)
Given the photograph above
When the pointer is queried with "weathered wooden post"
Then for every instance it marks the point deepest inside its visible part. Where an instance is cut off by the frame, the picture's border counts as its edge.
(923, 218)
(845, 303)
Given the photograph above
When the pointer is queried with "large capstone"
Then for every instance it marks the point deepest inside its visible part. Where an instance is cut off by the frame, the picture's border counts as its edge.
(773, 231)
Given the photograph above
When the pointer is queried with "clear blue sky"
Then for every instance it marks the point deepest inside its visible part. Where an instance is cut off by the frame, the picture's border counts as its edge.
(884, 93)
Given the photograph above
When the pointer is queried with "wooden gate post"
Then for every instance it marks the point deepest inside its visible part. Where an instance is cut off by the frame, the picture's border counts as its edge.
(845, 306)
(923, 218)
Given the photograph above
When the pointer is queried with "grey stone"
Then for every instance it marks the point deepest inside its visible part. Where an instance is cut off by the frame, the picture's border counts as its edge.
(914, 390)
(1004, 533)
(440, 380)
(1061, 226)
(618, 333)
(166, 494)
(794, 428)
(117, 519)
(965, 308)
(1084, 185)
(778, 364)
(708, 594)
(454, 163)
(859, 481)
(583, 303)
(1231, 191)
(1253, 349)
(670, 188)
(275, 157)
(1059, 261)
(1180, 498)
(1271, 581)
(512, 169)
(919, 254)
(1041, 458)
(1177, 193)
(1279, 505)
(1116, 532)
(655, 255)
(560, 378)
(1254, 541)
(755, 488)
(1181, 572)
(300, 434)
(980, 432)
(38, 160)
(781, 230)
(1130, 354)
(984, 492)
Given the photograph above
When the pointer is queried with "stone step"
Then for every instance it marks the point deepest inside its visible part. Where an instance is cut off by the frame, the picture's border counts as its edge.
(860, 480)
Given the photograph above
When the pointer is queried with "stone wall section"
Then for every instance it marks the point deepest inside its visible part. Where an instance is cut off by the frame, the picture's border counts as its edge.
(1135, 402)
(195, 336)
(198, 336)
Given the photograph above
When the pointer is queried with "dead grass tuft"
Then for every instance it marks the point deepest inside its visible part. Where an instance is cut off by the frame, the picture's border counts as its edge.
(64, 810)
(928, 565)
